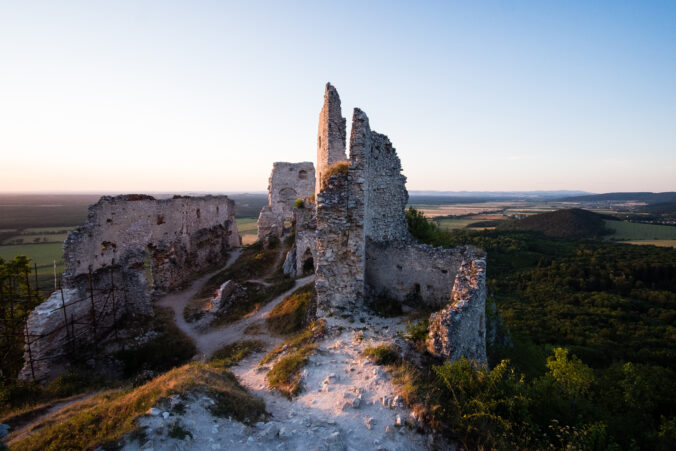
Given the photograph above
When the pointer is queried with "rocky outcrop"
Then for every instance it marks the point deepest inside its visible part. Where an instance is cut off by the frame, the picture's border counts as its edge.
(131, 247)
(459, 330)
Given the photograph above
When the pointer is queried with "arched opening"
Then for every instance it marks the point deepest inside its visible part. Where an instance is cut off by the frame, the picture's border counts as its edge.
(308, 263)
(302, 174)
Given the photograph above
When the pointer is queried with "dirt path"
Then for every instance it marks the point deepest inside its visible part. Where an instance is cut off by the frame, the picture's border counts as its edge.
(211, 340)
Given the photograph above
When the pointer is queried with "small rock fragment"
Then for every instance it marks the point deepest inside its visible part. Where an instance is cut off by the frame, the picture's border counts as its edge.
(369, 422)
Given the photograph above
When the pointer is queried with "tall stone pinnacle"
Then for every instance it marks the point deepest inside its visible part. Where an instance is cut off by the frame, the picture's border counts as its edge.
(331, 134)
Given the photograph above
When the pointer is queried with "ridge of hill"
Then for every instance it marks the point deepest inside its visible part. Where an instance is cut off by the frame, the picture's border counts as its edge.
(568, 223)
(648, 197)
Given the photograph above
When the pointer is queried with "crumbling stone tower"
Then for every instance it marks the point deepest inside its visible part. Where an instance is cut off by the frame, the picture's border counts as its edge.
(356, 236)
(331, 135)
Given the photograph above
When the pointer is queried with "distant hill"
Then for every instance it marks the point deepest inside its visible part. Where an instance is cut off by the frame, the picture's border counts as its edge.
(457, 196)
(650, 198)
(569, 223)
(662, 208)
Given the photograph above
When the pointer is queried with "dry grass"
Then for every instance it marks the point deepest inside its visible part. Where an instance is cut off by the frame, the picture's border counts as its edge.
(338, 168)
(383, 354)
(291, 314)
(285, 373)
(104, 419)
(232, 354)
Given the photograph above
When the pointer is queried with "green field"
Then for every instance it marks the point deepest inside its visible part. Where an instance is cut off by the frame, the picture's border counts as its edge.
(248, 228)
(246, 225)
(42, 254)
(453, 224)
(636, 231)
(46, 230)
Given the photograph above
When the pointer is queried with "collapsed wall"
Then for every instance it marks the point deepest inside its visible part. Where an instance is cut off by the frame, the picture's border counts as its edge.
(459, 330)
(131, 247)
(287, 182)
(413, 273)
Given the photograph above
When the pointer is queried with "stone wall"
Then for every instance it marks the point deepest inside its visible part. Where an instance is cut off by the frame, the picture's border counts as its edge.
(287, 182)
(340, 246)
(459, 330)
(331, 134)
(306, 239)
(125, 240)
(413, 273)
(386, 192)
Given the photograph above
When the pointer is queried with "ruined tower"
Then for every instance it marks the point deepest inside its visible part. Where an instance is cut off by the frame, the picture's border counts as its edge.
(330, 136)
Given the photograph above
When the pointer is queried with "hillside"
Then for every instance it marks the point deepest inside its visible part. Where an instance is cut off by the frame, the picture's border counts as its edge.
(569, 223)
(647, 197)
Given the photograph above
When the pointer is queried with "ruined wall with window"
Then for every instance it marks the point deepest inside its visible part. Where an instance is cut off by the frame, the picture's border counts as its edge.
(287, 182)
(132, 246)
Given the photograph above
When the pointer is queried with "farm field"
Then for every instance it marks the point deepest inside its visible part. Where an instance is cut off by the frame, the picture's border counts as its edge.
(248, 229)
(636, 231)
(43, 254)
(660, 243)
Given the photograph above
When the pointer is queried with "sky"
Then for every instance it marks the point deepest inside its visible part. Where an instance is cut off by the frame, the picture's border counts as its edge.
(145, 96)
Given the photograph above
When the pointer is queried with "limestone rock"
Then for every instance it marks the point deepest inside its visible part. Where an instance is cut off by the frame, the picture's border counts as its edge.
(459, 330)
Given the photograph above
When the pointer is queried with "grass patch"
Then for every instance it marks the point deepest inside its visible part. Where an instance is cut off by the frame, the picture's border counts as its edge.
(309, 335)
(291, 314)
(232, 354)
(257, 328)
(285, 374)
(383, 354)
(104, 419)
(337, 168)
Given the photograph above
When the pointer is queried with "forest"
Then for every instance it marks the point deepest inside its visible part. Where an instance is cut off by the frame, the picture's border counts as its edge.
(590, 362)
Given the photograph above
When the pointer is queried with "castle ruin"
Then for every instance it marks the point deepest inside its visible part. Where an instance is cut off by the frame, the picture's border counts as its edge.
(131, 248)
(355, 235)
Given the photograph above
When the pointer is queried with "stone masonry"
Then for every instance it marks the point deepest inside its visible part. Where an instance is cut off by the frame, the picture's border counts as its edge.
(331, 135)
(459, 330)
(362, 247)
(131, 247)
(287, 182)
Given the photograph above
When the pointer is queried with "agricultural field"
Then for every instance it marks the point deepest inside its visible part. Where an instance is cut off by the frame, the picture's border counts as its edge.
(637, 233)
(43, 255)
(248, 229)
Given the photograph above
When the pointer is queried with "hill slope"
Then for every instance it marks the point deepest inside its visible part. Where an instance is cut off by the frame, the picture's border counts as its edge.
(570, 223)
(647, 197)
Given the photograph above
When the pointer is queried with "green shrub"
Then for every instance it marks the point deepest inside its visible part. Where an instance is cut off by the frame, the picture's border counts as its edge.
(177, 431)
(299, 203)
(383, 354)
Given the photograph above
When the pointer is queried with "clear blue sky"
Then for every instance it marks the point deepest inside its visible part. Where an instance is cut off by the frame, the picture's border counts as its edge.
(174, 96)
